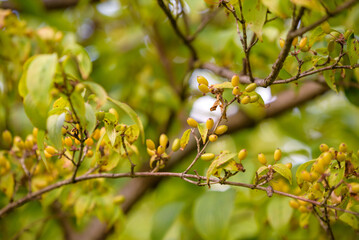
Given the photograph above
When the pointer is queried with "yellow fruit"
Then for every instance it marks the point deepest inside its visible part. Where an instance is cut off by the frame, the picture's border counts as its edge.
(277, 154)
(343, 147)
(303, 42)
(303, 209)
(326, 27)
(100, 115)
(96, 134)
(281, 42)
(305, 175)
(29, 143)
(221, 129)
(192, 123)
(68, 141)
(294, 204)
(77, 142)
(289, 165)
(314, 176)
(150, 144)
(213, 138)
(151, 152)
(235, 80)
(47, 154)
(341, 156)
(295, 41)
(114, 112)
(251, 87)
(163, 140)
(209, 123)
(327, 158)
(89, 153)
(18, 142)
(354, 187)
(254, 98)
(6, 137)
(207, 156)
(68, 117)
(63, 131)
(245, 99)
(119, 199)
(89, 142)
(306, 48)
(236, 91)
(323, 147)
(202, 80)
(262, 158)
(51, 150)
(242, 154)
(34, 132)
(203, 88)
(160, 150)
(318, 167)
(176, 144)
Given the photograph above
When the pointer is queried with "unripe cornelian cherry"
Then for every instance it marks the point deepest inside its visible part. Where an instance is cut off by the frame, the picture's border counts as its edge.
(262, 158)
(281, 42)
(251, 87)
(163, 140)
(150, 144)
(203, 88)
(207, 156)
(213, 138)
(176, 144)
(209, 123)
(303, 42)
(242, 154)
(235, 81)
(192, 123)
(343, 147)
(202, 80)
(236, 91)
(277, 154)
(221, 129)
(323, 147)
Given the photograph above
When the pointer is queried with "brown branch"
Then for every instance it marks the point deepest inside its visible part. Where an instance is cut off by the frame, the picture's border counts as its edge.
(338, 10)
(177, 30)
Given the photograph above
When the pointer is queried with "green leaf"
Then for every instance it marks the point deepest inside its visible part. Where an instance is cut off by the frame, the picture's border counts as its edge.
(99, 91)
(314, 5)
(224, 157)
(185, 138)
(302, 168)
(81, 206)
(78, 104)
(61, 103)
(304, 220)
(350, 219)
(223, 85)
(316, 35)
(132, 132)
(70, 68)
(353, 49)
(54, 126)
(336, 173)
(212, 213)
(279, 212)
(90, 119)
(41, 147)
(255, 14)
(352, 93)
(164, 218)
(133, 115)
(40, 75)
(261, 169)
(111, 132)
(22, 88)
(7, 184)
(284, 171)
(330, 77)
(280, 8)
(36, 111)
(82, 58)
(203, 131)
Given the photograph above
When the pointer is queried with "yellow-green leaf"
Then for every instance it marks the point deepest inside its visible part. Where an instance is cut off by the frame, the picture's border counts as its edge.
(185, 138)
(284, 171)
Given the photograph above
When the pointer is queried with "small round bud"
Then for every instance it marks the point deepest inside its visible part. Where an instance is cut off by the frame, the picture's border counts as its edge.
(242, 154)
(305, 175)
(176, 144)
(51, 150)
(327, 158)
(318, 167)
(207, 156)
(293, 204)
(254, 98)
(150, 144)
(245, 99)
(160, 150)
(303, 42)
(323, 147)
(277, 154)
(192, 123)
(341, 156)
(262, 158)
(209, 123)
(89, 142)
(89, 153)
(34, 132)
(203, 88)
(77, 141)
(221, 129)
(236, 91)
(63, 131)
(251, 87)
(289, 165)
(343, 147)
(202, 80)
(235, 80)
(281, 42)
(213, 138)
(118, 199)
(68, 141)
(96, 134)
(6, 137)
(295, 41)
(47, 154)
(151, 152)
(163, 140)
